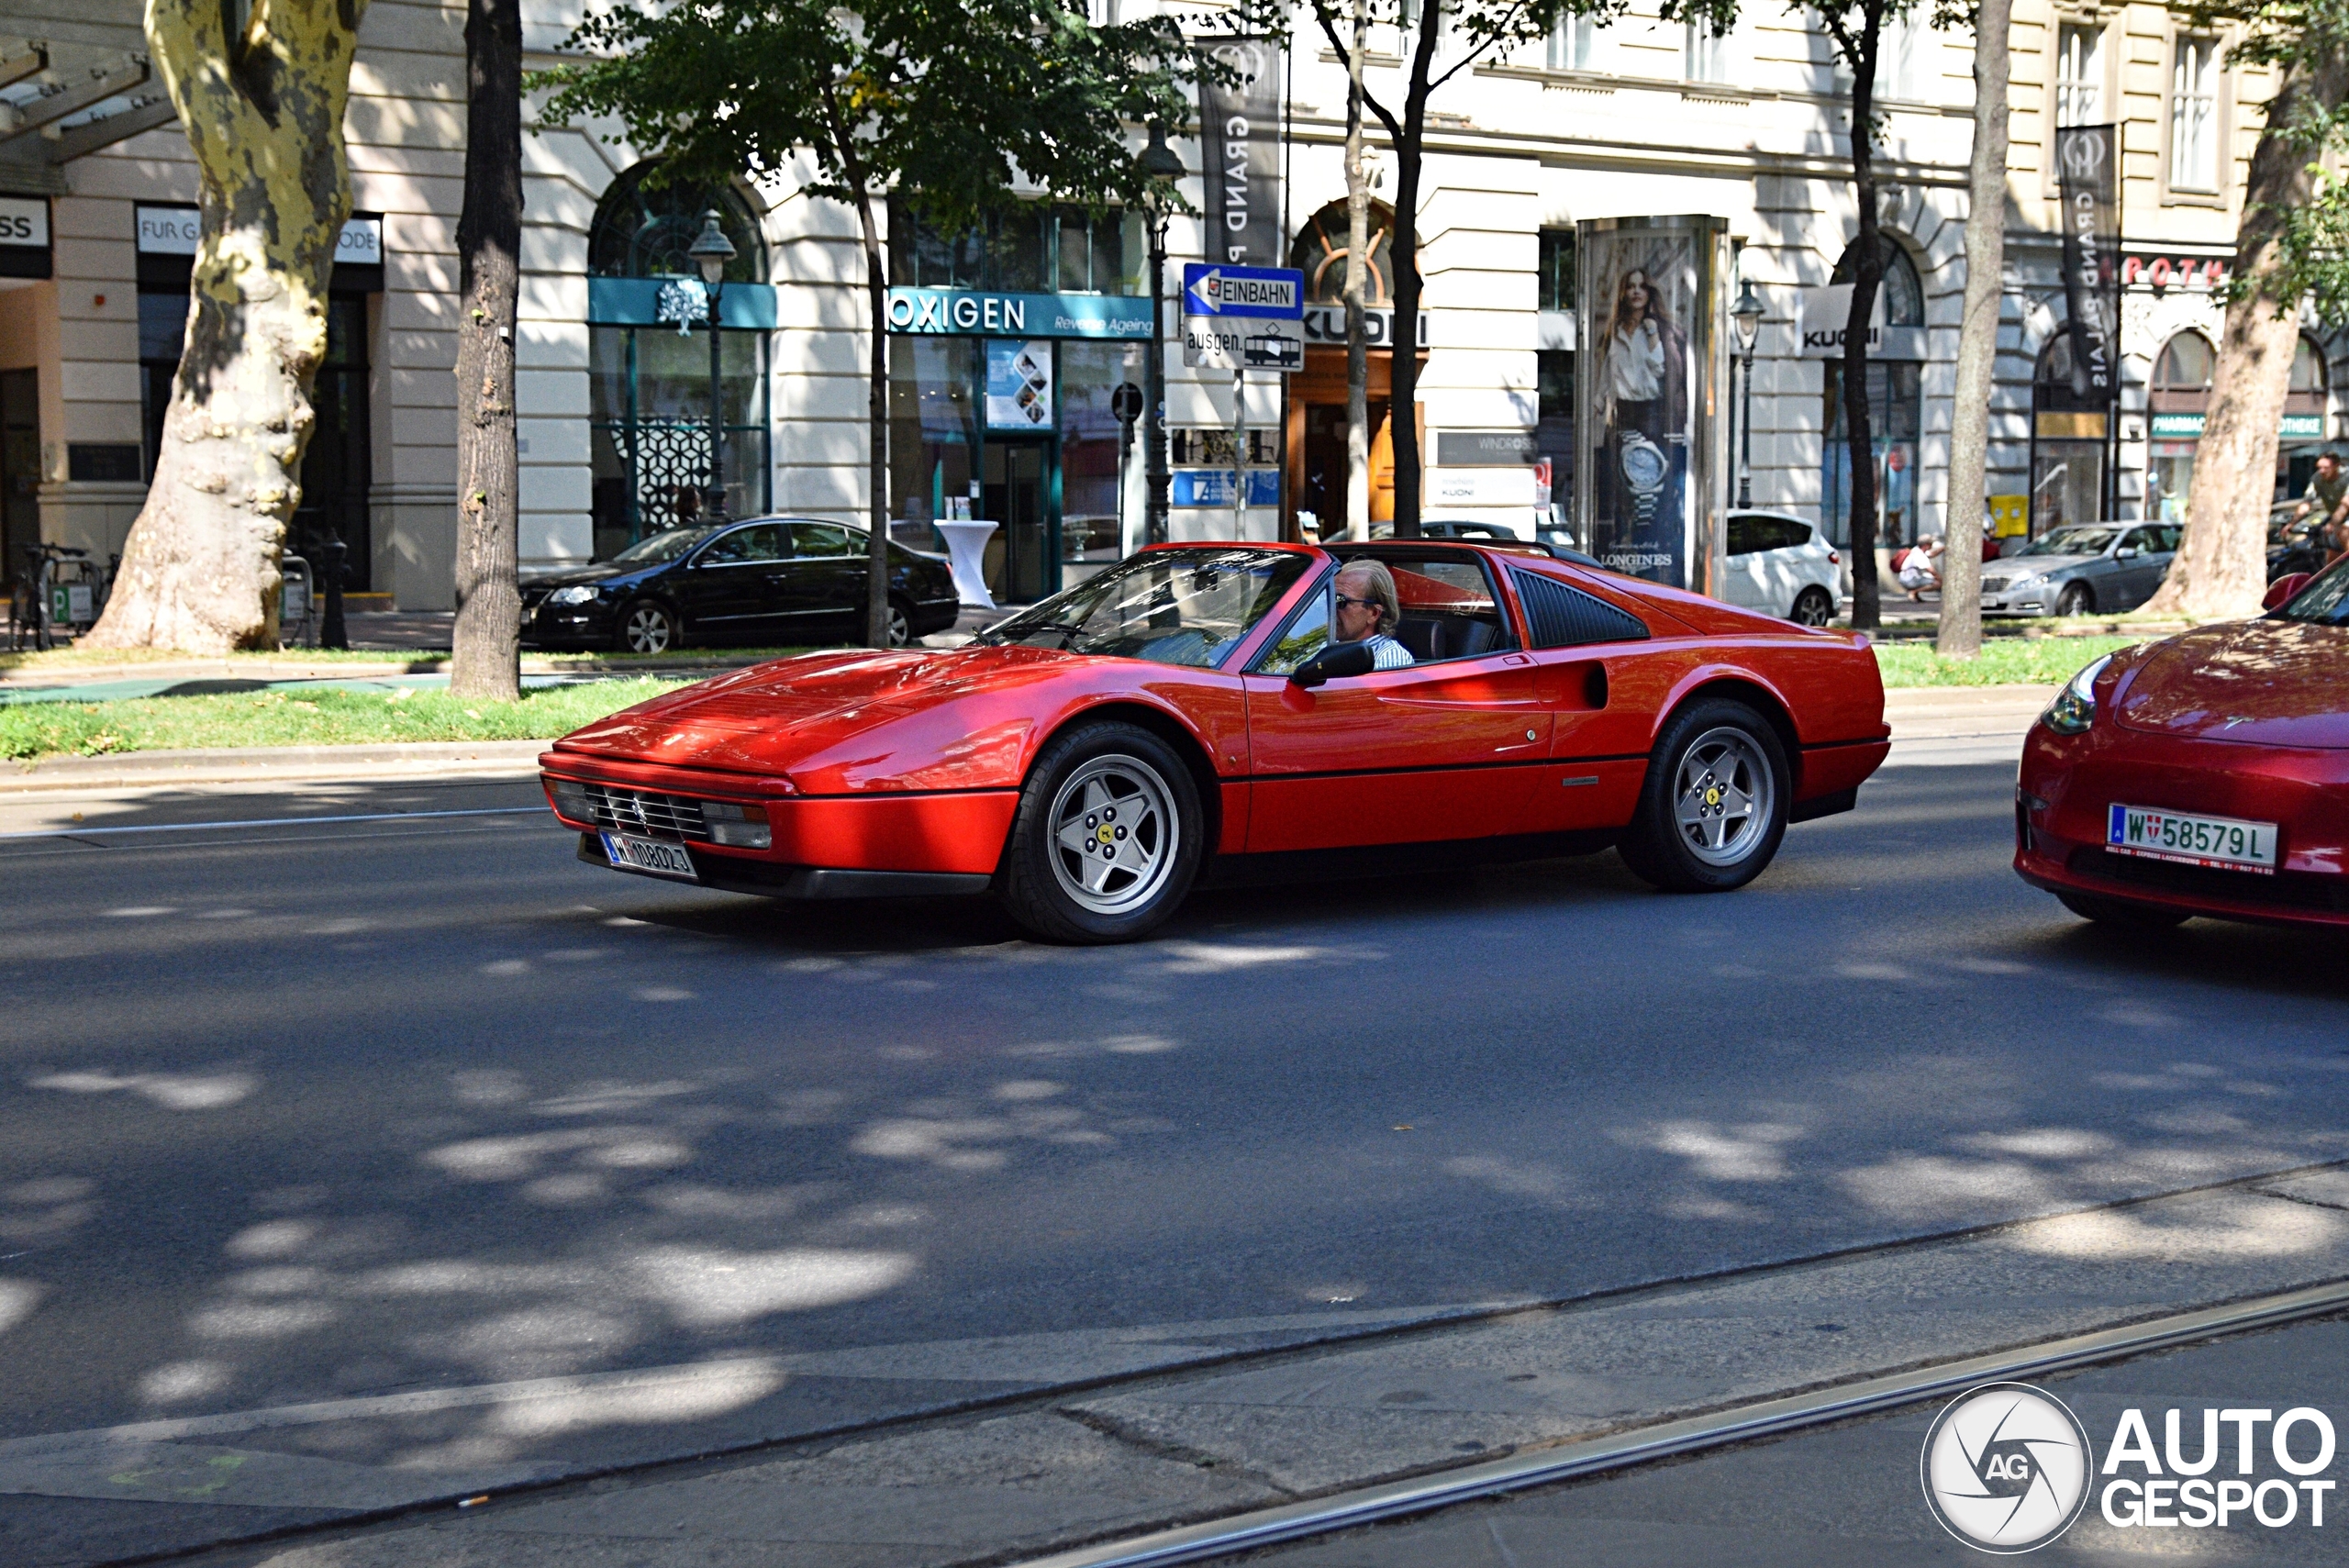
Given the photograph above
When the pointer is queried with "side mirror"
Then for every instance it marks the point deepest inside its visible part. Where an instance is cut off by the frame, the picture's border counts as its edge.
(1335, 662)
(2126, 552)
(2282, 591)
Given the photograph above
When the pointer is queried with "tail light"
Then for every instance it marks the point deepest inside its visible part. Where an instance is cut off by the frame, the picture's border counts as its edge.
(1833, 559)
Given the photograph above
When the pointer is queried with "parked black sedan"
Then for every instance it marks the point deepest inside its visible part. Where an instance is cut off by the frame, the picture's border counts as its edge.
(763, 580)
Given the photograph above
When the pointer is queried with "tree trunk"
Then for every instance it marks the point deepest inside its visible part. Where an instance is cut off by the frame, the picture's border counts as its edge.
(1867, 274)
(488, 652)
(264, 114)
(1357, 283)
(2222, 565)
(1959, 635)
(876, 295)
(1402, 408)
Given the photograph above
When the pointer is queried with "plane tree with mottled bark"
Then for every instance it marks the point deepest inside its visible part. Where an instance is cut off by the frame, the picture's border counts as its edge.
(956, 106)
(262, 107)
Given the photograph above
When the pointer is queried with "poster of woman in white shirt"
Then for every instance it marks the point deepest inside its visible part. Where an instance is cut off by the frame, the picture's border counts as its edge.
(1641, 464)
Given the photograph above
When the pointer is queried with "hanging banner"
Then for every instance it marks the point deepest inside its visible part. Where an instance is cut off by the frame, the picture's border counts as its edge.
(1240, 135)
(2087, 168)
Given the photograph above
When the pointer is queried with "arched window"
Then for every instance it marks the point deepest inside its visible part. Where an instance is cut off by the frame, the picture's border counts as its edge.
(2308, 370)
(1903, 291)
(650, 411)
(2182, 373)
(641, 231)
(1319, 252)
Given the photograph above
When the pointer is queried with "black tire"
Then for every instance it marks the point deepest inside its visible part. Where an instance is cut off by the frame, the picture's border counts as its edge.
(2077, 599)
(1673, 855)
(1043, 880)
(2120, 913)
(1813, 606)
(901, 622)
(648, 625)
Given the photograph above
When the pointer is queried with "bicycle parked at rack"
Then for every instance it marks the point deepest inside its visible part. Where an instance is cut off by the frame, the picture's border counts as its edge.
(61, 589)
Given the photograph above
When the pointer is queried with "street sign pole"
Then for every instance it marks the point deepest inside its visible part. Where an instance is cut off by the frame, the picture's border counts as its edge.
(1240, 453)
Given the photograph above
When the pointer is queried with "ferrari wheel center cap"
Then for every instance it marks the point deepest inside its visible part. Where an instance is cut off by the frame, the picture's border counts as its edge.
(1104, 833)
(1712, 797)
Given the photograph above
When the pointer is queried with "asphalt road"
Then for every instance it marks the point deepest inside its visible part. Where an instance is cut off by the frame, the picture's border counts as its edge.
(346, 1109)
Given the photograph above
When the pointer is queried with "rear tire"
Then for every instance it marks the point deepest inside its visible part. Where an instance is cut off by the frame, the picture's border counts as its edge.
(1713, 808)
(647, 626)
(1108, 838)
(2120, 913)
(1814, 606)
(2077, 599)
(901, 622)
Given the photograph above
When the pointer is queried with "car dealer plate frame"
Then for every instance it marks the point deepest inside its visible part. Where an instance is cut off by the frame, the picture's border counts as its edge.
(2189, 838)
(649, 857)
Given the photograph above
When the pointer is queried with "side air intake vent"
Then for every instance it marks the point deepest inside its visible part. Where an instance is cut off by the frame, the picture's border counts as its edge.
(1565, 617)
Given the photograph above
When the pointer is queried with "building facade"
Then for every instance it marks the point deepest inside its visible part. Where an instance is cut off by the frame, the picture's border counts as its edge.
(1008, 347)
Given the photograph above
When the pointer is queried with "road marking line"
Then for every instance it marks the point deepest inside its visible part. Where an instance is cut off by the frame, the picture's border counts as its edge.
(275, 822)
(1297, 1521)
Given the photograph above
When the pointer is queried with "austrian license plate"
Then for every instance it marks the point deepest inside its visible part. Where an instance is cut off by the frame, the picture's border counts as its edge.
(651, 856)
(2194, 840)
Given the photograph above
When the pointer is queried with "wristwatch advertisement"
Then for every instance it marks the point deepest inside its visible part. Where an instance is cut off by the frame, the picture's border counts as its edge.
(1645, 469)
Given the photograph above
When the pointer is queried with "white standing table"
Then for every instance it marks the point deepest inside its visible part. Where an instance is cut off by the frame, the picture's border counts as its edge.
(966, 544)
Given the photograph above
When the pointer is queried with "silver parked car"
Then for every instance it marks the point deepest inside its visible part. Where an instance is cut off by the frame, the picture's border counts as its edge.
(2083, 568)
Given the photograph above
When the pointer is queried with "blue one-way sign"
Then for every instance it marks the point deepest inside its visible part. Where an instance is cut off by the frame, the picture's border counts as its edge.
(1265, 294)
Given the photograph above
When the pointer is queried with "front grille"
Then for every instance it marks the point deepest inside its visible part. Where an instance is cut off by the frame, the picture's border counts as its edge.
(2284, 890)
(647, 812)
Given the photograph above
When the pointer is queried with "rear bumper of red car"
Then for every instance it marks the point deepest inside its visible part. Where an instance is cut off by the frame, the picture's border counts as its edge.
(2068, 785)
(821, 846)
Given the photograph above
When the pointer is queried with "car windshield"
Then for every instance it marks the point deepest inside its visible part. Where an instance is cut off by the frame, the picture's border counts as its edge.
(665, 546)
(2067, 541)
(2325, 602)
(1169, 607)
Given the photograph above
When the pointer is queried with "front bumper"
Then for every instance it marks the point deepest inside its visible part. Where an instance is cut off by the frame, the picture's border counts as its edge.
(2067, 784)
(591, 625)
(958, 834)
(2039, 601)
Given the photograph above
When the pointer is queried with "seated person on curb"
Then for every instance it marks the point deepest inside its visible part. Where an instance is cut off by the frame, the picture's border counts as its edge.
(1367, 611)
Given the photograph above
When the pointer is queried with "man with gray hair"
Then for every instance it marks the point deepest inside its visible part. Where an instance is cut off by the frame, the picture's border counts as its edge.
(1366, 610)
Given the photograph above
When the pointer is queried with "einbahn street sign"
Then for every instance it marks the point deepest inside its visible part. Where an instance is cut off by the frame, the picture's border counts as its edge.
(1250, 319)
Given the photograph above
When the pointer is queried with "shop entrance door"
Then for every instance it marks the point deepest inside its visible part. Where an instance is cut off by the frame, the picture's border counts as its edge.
(334, 465)
(1013, 477)
(2067, 483)
(19, 467)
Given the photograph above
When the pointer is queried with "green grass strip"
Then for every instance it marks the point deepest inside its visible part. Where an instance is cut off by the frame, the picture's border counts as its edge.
(308, 717)
(2040, 661)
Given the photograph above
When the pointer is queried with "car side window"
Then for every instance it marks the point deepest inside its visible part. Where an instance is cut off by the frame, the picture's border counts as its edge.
(1562, 616)
(2161, 537)
(1742, 533)
(1307, 633)
(759, 541)
(821, 539)
(1784, 533)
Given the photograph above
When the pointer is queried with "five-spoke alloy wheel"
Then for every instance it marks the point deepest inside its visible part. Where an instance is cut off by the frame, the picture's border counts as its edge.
(1108, 838)
(1714, 806)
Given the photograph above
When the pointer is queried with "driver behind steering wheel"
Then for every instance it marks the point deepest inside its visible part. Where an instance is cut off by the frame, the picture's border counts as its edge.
(1367, 610)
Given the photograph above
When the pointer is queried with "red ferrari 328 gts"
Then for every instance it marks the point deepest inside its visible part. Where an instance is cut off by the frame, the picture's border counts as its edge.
(1186, 714)
(2205, 775)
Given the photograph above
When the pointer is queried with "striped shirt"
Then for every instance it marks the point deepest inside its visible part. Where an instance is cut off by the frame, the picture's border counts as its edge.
(1388, 654)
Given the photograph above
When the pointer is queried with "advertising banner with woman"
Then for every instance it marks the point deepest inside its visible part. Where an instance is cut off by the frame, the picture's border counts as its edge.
(1651, 489)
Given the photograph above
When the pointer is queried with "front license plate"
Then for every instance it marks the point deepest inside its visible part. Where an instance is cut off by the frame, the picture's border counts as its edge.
(2193, 840)
(649, 856)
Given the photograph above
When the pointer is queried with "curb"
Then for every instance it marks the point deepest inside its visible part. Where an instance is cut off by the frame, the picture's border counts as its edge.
(421, 759)
(352, 670)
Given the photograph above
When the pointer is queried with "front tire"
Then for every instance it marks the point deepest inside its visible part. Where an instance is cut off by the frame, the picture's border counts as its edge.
(1713, 808)
(2120, 913)
(2077, 599)
(1108, 838)
(648, 627)
(1814, 606)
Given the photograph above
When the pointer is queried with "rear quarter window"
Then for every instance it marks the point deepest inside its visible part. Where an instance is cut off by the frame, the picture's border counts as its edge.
(1559, 615)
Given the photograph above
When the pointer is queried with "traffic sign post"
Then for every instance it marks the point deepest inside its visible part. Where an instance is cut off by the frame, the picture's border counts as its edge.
(1240, 319)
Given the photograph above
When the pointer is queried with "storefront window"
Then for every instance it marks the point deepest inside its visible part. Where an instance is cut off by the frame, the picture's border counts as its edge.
(1896, 404)
(933, 431)
(1034, 247)
(2067, 447)
(2179, 399)
(1092, 526)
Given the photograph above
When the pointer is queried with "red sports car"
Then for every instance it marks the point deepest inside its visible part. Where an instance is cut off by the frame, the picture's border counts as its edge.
(2206, 774)
(1186, 713)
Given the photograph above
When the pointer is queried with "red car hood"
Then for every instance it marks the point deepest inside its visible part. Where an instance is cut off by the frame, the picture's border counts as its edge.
(796, 714)
(2261, 683)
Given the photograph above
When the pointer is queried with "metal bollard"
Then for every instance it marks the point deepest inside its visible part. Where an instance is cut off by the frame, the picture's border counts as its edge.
(331, 554)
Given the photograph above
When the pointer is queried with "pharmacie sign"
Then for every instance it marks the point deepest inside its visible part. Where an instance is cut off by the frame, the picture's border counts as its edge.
(925, 312)
(2189, 427)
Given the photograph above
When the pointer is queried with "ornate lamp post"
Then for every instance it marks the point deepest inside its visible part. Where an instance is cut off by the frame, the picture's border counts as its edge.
(1160, 162)
(1746, 315)
(711, 251)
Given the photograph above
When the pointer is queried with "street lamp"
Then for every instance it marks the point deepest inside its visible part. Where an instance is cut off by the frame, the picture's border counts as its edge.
(1161, 165)
(1746, 315)
(711, 251)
